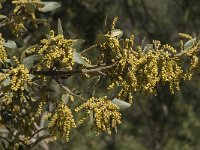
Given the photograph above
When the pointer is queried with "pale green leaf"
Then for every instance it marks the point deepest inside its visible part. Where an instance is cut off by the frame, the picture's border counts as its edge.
(80, 60)
(10, 44)
(91, 116)
(7, 81)
(2, 17)
(65, 98)
(60, 29)
(122, 104)
(49, 6)
(148, 47)
(116, 33)
(189, 43)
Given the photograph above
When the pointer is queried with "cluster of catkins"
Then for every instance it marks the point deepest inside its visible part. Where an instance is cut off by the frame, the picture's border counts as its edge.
(105, 114)
(141, 69)
(134, 69)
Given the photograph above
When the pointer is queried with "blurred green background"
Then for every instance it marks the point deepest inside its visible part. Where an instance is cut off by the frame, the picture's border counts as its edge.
(162, 122)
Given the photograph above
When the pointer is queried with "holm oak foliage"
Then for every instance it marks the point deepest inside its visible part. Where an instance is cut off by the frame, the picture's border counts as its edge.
(35, 101)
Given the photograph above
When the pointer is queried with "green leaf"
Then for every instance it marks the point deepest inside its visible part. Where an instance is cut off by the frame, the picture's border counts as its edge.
(29, 61)
(7, 81)
(116, 129)
(80, 60)
(122, 104)
(65, 98)
(78, 44)
(91, 116)
(30, 7)
(49, 6)
(116, 33)
(106, 20)
(60, 29)
(10, 44)
(189, 43)
(2, 17)
(115, 91)
(147, 48)
(100, 39)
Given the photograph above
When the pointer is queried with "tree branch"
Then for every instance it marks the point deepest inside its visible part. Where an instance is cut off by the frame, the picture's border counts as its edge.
(39, 140)
(54, 73)
(68, 90)
(87, 49)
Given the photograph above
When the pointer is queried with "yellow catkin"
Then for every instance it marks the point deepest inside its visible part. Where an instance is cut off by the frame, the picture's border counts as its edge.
(3, 56)
(61, 121)
(105, 114)
(18, 25)
(139, 70)
(186, 36)
(56, 51)
(114, 23)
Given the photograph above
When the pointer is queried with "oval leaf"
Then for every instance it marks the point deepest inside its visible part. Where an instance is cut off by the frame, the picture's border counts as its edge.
(65, 98)
(189, 43)
(78, 44)
(147, 48)
(29, 61)
(7, 81)
(122, 104)
(10, 44)
(49, 6)
(116, 33)
(2, 17)
(115, 91)
(30, 7)
(80, 60)
(100, 39)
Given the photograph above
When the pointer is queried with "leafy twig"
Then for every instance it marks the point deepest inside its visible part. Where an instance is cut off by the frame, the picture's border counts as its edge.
(89, 48)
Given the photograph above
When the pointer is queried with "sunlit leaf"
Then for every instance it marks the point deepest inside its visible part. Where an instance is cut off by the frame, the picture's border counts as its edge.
(2, 17)
(65, 98)
(116, 33)
(122, 104)
(148, 47)
(189, 43)
(7, 81)
(49, 6)
(10, 44)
